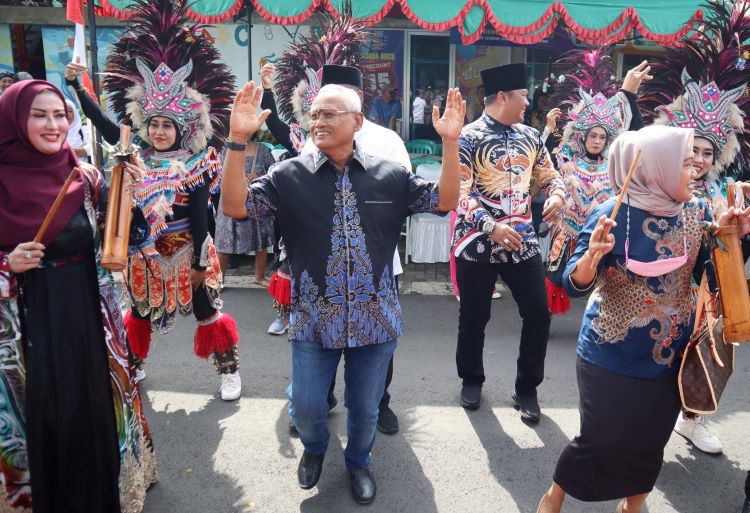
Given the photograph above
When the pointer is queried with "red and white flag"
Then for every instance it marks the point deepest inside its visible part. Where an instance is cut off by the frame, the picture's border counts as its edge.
(75, 14)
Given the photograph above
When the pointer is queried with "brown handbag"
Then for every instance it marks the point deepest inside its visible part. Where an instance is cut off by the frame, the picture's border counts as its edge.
(706, 365)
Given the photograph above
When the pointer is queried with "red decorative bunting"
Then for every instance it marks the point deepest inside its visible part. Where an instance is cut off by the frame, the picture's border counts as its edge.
(529, 34)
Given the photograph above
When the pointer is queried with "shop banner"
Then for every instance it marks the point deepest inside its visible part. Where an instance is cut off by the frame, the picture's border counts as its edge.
(384, 58)
(6, 51)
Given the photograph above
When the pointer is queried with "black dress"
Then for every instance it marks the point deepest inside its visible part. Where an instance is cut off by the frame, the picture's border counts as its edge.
(72, 438)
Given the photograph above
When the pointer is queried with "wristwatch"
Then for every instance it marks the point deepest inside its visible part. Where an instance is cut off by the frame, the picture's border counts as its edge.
(234, 146)
(488, 226)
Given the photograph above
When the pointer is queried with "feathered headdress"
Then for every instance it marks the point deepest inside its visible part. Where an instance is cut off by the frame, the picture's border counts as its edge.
(711, 112)
(592, 71)
(165, 65)
(299, 68)
(589, 91)
(702, 82)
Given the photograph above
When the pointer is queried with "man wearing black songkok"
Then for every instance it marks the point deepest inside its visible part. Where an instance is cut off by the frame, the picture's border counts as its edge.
(494, 235)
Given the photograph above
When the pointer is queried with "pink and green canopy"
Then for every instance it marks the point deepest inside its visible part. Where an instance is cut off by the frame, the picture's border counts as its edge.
(521, 21)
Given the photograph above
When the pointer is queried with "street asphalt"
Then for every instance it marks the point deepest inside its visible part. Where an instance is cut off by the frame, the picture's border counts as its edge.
(221, 457)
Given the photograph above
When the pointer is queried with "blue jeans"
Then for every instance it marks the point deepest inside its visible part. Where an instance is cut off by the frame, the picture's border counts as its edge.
(313, 369)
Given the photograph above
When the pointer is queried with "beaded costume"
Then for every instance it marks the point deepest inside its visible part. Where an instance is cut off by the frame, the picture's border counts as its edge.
(148, 77)
(585, 176)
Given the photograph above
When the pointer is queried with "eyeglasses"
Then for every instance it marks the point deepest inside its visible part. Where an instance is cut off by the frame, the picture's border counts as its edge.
(328, 115)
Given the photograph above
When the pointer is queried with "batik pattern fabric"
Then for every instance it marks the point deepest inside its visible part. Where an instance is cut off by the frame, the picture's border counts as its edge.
(498, 165)
(636, 325)
(586, 187)
(340, 230)
(137, 459)
(158, 270)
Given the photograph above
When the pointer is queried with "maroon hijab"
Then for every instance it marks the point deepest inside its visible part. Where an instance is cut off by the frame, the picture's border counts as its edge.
(30, 180)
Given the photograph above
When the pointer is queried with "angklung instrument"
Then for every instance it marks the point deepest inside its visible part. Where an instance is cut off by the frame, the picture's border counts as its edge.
(730, 274)
(119, 207)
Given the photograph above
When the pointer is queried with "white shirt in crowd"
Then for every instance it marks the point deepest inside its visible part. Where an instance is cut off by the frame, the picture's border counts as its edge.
(417, 110)
(380, 142)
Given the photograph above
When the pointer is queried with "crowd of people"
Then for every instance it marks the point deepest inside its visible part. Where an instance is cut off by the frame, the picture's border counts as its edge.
(75, 437)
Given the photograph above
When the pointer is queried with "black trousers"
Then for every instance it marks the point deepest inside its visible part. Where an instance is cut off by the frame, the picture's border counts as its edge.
(525, 280)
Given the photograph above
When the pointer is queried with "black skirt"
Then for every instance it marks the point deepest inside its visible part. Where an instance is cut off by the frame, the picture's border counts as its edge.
(73, 447)
(625, 424)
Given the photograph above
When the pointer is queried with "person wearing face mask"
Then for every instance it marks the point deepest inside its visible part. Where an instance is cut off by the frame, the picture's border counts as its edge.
(74, 434)
(716, 146)
(638, 320)
(177, 104)
(692, 90)
(592, 125)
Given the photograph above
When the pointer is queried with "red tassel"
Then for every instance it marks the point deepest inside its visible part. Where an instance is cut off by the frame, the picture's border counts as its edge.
(139, 334)
(558, 300)
(217, 337)
(280, 288)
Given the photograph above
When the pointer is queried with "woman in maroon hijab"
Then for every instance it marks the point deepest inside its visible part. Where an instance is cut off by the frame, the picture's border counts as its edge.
(72, 435)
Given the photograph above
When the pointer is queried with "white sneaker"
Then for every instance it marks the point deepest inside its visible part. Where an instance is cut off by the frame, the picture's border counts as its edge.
(280, 325)
(696, 431)
(231, 386)
(140, 375)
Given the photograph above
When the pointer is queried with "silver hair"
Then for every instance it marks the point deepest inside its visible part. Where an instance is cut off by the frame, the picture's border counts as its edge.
(348, 96)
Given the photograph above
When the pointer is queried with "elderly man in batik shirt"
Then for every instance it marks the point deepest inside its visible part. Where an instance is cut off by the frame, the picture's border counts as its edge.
(500, 157)
(340, 212)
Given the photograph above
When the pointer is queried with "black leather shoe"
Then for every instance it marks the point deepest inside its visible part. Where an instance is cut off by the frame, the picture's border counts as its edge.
(293, 429)
(387, 421)
(746, 506)
(363, 486)
(332, 401)
(527, 406)
(308, 471)
(471, 396)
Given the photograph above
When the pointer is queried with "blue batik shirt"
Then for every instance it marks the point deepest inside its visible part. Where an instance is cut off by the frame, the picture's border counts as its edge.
(340, 230)
(635, 325)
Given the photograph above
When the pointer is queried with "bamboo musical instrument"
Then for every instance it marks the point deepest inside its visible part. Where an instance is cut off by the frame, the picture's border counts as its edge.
(119, 208)
(730, 274)
(56, 205)
(620, 197)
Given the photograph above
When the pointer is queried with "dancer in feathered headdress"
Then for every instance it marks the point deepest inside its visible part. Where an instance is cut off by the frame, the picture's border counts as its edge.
(599, 114)
(701, 84)
(299, 74)
(166, 80)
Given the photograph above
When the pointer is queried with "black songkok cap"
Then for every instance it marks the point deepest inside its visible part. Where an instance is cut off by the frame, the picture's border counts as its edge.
(504, 78)
(342, 75)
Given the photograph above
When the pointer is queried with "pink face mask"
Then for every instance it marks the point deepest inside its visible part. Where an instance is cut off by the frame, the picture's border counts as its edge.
(657, 267)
